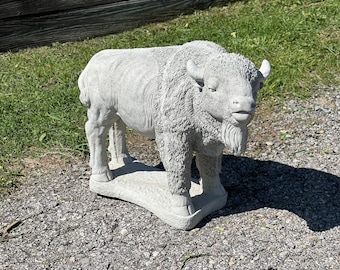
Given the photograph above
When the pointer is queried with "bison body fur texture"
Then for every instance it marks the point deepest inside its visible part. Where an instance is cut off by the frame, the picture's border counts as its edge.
(193, 99)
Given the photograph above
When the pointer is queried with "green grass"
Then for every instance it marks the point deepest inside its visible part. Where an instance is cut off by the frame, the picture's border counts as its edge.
(39, 104)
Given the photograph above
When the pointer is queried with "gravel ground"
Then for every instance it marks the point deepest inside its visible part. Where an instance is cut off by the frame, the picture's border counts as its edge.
(283, 210)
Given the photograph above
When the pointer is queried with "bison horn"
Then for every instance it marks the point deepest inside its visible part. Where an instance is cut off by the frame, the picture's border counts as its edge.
(195, 71)
(265, 69)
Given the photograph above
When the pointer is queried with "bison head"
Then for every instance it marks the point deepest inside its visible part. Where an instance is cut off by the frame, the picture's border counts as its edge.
(228, 85)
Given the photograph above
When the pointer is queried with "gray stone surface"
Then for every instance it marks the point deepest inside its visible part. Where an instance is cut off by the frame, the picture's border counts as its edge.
(283, 208)
(193, 98)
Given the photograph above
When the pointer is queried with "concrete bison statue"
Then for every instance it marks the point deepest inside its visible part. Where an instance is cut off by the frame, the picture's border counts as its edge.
(194, 98)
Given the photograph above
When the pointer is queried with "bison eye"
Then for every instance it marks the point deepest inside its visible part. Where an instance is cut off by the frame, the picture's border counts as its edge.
(212, 84)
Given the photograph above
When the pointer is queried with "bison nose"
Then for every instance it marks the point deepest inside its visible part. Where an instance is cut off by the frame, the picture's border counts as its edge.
(242, 105)
(242, 109)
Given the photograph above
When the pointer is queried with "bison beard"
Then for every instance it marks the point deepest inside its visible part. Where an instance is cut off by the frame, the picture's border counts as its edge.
(234, 137)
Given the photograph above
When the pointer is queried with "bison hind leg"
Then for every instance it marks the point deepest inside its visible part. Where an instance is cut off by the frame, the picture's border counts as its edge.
(117, 146)
(97, 126)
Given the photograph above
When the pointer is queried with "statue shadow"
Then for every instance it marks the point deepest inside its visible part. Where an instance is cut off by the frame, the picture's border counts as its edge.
(252, 184)
(136, 166)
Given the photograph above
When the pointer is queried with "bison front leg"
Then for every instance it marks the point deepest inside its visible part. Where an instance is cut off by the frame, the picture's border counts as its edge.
(97, 126)
(210, 168)
(176, 156)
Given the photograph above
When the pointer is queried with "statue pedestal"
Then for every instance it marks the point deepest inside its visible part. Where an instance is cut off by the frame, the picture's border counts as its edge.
(147, 187)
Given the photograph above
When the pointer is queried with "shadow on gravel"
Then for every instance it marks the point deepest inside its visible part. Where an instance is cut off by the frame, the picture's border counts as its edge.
(252, 184)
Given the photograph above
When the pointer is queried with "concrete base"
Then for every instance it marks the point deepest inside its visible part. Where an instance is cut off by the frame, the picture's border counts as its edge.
(147, 187)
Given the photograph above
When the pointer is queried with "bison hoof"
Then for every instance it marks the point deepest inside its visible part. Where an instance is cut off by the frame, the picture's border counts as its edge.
(102, 177)
(217, 190)
(182, 205)
(184, 211)
(120, 162)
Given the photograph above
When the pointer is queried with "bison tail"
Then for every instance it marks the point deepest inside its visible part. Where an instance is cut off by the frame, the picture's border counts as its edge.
(84, 95)
(84, 98)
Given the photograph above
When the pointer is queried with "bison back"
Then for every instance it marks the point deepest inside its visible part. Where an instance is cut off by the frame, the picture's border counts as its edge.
(125, 81)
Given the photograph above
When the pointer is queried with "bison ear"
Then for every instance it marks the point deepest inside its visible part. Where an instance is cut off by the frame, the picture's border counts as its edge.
(264, 70)
(195, 71)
